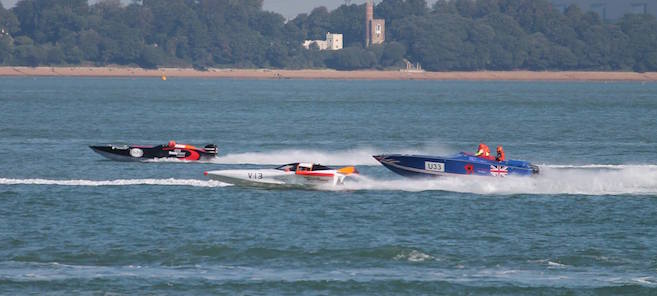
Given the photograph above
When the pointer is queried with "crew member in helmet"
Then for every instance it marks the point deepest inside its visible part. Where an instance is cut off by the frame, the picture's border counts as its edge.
(483, 151)
(500, 154)
(172, 143)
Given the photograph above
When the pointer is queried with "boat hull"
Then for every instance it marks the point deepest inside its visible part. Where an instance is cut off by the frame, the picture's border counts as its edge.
(462, 164)
(269, 178)
(146, 153)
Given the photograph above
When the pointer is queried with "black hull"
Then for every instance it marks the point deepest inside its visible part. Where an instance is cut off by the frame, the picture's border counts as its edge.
(146, 153)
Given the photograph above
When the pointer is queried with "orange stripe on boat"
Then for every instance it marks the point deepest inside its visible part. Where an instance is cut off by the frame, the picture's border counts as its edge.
(348, 170)
(314, 174)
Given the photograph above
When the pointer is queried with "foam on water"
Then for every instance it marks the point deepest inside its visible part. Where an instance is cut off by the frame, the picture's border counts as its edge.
(553, 180)
(555, 264)
(29, 272)
(356, 156)
(580, 180)
(413, 256)
(119, 182)
(346, 157)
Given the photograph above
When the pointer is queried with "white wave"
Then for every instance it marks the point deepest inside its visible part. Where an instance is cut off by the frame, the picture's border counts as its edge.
(575, 180)
(550, 264)
(555, 264)
(651, 281)
(176, 160)
(119, 182)
(356, 156)
(413, 256)
(28, 272)
(627, 179)
(599, 166)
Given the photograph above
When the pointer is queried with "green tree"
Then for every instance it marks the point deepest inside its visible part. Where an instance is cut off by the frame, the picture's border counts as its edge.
(268, 24)
(641, 30)
(46, 21)
(8, 21)
(509, 45)
(391, 10)
(53, 55)
(28, 55)
(89, 42)
(150, 57)
(453, 35)
(319, 23)
(393, 54)
(352, 58)
(348, 20)
(6, 48)
(277, 55)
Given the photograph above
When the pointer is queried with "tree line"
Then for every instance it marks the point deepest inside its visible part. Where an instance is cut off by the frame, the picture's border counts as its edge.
(449, 35)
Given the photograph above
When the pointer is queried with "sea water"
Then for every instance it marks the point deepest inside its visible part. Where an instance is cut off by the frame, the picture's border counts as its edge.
(72, 222)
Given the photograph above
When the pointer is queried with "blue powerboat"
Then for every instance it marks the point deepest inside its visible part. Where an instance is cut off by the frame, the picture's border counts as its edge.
(462, 164)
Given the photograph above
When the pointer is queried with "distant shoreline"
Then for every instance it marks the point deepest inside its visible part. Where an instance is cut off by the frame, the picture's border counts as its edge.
(326, 74)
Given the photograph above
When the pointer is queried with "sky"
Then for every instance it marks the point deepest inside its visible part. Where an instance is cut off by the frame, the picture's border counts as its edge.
(290, 8)
(8, 3)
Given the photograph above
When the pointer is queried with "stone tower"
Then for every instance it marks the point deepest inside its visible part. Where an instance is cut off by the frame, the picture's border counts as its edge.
(374, 28)
(369, 17)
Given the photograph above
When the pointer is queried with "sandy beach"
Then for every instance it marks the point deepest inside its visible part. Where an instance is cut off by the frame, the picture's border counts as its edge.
(326, 74)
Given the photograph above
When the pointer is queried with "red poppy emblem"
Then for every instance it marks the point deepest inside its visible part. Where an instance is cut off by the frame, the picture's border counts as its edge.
(469, 168)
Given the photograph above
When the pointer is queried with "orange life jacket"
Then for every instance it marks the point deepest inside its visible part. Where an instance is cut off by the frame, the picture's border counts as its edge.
(483, 151)
(500, 154)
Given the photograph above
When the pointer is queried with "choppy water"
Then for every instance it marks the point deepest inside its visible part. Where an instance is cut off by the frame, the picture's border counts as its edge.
(73, 222)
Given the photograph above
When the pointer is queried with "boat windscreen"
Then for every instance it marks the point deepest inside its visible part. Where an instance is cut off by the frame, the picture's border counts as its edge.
(288, 167)
(319, 167)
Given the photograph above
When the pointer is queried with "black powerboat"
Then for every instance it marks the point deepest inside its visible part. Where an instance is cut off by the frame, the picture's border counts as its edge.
(172, 150)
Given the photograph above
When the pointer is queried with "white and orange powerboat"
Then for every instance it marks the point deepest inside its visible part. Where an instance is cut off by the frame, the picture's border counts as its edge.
(289, 175)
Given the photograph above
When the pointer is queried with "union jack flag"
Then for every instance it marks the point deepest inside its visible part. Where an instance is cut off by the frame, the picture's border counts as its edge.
(499, 170)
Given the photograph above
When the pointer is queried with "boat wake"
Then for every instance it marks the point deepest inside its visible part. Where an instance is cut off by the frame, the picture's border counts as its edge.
(553, 180)
(356, 156)
(345, 157)
(119, 182)
(534, 275)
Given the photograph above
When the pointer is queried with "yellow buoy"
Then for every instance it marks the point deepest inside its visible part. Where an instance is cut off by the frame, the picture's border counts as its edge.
(164, 77)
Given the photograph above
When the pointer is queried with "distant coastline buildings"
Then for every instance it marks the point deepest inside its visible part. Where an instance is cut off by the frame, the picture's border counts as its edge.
(412, 68)
(610, 9)
(375, 32)
(375, 29)
(332, 42)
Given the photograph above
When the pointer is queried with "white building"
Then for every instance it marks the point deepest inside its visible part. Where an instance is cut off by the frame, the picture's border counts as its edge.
(332, 42)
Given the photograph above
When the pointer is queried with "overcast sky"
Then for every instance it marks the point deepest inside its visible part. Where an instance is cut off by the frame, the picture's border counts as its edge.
(290, 8)
(8, 3)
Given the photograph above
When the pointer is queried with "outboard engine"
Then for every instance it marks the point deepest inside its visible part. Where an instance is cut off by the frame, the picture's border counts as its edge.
(211, 148)
(535, 169)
